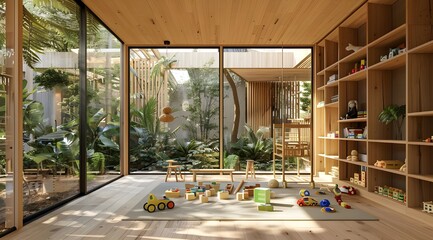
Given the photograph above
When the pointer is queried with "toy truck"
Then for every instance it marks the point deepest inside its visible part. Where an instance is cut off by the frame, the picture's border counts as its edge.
(152, 203)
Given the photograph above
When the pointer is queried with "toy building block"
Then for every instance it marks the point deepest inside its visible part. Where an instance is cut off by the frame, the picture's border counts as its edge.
(273, 194)
(239, 196)
(363, 176)
(223, 195)
(203, 199)
(190, 196)
(262, 195)
(199, 183)
(246, 196)
(265, 207)
(208, 193)
(427, 207)
(189, 186)
(239, 186)
(212, 191)
(229, 188)
(352, 180)
(172, 194)
(356, 176)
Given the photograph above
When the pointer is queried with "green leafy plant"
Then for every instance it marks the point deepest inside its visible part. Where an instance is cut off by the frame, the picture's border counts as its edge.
(51, 78)
(396, 114)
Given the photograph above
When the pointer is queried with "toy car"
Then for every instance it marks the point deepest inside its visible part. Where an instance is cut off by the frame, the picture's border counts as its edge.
(307, 201)
(153, 202)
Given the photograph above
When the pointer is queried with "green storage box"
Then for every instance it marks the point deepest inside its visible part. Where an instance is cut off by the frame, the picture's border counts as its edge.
(262, 195)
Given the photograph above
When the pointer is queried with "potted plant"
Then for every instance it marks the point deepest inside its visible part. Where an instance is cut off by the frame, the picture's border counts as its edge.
(396, 114)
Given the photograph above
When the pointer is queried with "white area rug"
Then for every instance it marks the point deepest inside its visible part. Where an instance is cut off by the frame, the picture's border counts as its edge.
(285, 207)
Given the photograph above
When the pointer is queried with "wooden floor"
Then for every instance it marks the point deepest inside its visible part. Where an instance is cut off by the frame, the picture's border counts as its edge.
(99, 216)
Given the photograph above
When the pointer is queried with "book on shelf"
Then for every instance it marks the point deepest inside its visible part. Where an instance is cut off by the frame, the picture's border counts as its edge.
(357, 133)
(334, 98)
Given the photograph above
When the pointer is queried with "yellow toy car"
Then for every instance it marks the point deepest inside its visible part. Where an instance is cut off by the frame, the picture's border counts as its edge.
(152, 203)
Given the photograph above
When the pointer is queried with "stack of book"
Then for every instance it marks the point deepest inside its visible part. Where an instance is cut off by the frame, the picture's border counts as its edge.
(349, 132)
(334, 98)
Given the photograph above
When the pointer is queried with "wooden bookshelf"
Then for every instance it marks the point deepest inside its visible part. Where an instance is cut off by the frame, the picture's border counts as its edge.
(403, 78)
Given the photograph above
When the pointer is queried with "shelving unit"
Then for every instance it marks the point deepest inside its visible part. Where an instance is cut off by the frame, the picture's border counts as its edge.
(403, 78)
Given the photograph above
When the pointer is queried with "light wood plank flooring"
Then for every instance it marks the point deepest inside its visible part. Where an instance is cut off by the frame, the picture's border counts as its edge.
(98, 216)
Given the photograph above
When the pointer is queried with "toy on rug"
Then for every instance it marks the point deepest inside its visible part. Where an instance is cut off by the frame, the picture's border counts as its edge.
(348, 190)
(307, 201)
(172, 193)
(325, 203)
(328, 209)
(304, 192)
(265, 207)
(337, 196)
(273, 183)
(152, 203)
(262, 195)
(320, 192)
(250, 189)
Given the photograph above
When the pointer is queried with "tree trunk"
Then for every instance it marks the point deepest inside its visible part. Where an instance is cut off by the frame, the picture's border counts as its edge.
(234, 136)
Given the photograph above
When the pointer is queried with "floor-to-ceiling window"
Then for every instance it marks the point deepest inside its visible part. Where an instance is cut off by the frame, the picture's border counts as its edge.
(174, 108)
(264, 88)
(7, 125)
(50, 103)
(103, 104)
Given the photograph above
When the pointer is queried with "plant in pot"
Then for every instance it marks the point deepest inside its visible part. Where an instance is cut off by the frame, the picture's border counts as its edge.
(394, 114)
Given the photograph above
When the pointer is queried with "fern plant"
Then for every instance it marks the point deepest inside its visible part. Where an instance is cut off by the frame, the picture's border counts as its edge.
(394, 113)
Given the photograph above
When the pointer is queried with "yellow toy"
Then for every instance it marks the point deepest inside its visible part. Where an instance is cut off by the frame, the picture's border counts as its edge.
(153, 202)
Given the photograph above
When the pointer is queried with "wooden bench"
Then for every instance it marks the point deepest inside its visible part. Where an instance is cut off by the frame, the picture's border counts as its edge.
(220, 171)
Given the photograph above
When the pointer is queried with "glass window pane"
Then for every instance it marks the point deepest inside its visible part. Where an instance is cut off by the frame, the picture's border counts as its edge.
(264, 87)
(103, 104)
(51, 100)
(174, 108)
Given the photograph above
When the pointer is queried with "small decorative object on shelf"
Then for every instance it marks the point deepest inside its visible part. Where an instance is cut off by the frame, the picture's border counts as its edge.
(394, 113)
(388, 164)
(383, 58)
(430, 139)
(427, 207)
(351, 47)
(390, 192)
(353, 156)
(352, 109)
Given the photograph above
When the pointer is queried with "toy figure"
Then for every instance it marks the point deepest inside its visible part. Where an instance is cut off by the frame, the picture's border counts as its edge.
(352, 109)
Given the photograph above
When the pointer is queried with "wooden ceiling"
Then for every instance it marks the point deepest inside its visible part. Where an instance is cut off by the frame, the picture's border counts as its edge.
(222, 22)
(273, 74)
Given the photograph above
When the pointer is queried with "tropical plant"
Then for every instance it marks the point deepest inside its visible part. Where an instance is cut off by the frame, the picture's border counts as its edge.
(51, 78)
(252, 145)
(396, 114)
(306, 97)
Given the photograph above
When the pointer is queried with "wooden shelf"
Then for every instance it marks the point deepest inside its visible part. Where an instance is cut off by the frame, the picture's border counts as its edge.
(394, 171)
(390, 37)
(421, 143)
(424, 48)
(322, 88)
(387, 141)
(329, 138)
(358, 76)
(332, 68)
(391, 64)
(428, 178)
(334, 157)
(421, 114)
(321, 73)
(353, 120)
(332, 84)
(359, 163)
(355, 55)
(332, 105)
(352, 184)
(354, 139)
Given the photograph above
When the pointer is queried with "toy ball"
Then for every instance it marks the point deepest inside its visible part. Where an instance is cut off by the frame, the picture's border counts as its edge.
(325, 203)
(273, 183)
(304, 192)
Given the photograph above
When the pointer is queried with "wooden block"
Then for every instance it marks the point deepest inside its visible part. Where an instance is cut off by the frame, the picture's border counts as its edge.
(212, 191)
(246, 196)
(203, 199)
(362, 184)
(223, 195)
(189, 196)
(352, 180)
(239, 186)
(171, 194)
(208, 193)
(265, 207)
(187, 185)
(273, 194)
(356, 176)
(239, 196)
(199, 183)
(262, 195)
